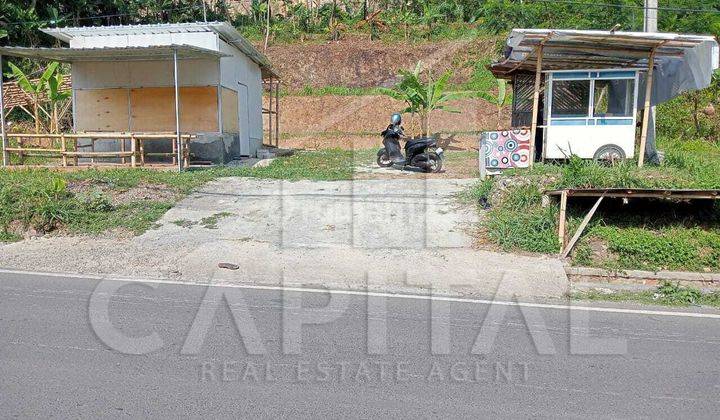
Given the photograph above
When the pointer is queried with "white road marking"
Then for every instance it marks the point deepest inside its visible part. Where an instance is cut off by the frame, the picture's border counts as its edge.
(374, 294)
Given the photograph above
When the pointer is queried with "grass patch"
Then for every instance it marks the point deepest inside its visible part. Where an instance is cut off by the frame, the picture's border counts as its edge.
(667, 294)
(642, 235)
(137, 217)
(211, 222)
(39, 199)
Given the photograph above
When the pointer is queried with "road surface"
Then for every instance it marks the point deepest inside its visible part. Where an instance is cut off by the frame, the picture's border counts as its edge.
(58, 359)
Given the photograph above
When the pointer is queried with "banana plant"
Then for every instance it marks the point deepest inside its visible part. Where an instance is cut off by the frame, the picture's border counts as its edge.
(421, 97)
(500, 100)
(34, 89)
(58, 98)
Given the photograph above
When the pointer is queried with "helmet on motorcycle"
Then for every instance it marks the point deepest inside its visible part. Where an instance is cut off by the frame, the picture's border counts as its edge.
(396, 119)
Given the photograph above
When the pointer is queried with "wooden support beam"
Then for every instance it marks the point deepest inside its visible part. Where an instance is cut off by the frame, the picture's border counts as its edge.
(63, 146)
(581, 228)
(133, 149)
(646, 111)
(562, 218)
(270, 114)
(536, 103)
(277, 114)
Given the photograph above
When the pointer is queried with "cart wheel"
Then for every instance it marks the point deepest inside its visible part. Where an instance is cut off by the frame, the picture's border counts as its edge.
(609, 154)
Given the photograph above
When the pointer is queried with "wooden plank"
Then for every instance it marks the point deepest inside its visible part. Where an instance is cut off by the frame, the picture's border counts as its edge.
(230, 117)
(646, 111)
(536, 104)
(562, 219)
(581, 228)
(153, 109)
(101, 109)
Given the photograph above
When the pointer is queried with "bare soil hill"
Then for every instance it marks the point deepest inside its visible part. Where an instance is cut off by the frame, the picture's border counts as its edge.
(322, 121)
(358, 62)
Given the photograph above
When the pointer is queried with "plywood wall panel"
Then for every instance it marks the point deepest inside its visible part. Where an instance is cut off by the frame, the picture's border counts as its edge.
(153, 109)
(101, 110)
(229, 110)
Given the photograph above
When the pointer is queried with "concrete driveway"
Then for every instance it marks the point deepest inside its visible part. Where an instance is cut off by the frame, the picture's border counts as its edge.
(401, 234)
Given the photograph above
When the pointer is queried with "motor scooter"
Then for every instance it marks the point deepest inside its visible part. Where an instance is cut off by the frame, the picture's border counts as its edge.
(416, 150)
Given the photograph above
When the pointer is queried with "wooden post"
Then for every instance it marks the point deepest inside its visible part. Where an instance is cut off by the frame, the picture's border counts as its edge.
(563, 218)
(566, 249)
(142, 152)
(646, 111)
(277, 114)
(122, 149)
(174, 153)
(5, 153)
(63, 148)
(270, 113)
(133, 149)
(536, 103)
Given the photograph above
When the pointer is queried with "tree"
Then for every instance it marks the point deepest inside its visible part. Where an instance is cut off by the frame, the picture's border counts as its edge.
(423, 97)
(500, 100)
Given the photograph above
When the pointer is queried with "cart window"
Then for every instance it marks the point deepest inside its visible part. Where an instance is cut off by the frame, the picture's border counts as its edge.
(570, 98)
(613, 98)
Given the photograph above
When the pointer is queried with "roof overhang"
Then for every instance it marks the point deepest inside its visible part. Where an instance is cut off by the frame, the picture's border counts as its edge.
(225, 30)
(70, 55)
(578, 49)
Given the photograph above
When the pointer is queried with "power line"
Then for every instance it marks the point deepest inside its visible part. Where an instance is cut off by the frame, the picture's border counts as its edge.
(51, 21)
(630, 6)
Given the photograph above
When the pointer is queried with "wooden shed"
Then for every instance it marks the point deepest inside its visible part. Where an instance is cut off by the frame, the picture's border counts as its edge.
(202, 80)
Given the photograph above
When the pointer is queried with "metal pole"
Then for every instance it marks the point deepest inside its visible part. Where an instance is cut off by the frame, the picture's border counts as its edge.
(177, 111)
(5, 155)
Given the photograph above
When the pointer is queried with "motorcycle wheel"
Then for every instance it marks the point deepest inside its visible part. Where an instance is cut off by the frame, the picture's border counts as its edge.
(383, 159)
(434, 163)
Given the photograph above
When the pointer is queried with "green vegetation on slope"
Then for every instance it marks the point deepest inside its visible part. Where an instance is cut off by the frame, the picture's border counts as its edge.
(634, 236)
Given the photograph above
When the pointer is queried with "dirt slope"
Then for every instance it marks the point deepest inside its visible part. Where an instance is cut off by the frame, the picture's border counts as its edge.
(358, 62)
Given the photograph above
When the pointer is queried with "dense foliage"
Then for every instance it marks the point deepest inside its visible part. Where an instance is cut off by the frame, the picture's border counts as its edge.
(292, 19)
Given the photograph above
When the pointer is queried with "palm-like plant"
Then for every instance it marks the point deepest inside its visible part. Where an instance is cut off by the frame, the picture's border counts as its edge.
(34, 88)
(500, 100)
(423, 97)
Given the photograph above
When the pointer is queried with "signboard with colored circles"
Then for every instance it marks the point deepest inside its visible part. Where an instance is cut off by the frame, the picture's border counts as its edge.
(506, 149)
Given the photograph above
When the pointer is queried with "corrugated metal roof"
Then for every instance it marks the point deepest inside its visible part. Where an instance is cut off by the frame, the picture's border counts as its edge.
(69, 55)
(578, 49)
(225, 30)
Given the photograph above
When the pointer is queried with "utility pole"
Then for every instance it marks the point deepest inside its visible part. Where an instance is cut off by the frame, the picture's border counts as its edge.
(651, 16)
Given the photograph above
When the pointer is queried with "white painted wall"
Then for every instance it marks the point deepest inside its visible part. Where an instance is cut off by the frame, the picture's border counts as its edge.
(241, 74)
(207, 40)
(584, 141)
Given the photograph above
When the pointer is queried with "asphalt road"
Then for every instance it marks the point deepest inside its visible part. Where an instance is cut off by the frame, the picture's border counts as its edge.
(59, 359)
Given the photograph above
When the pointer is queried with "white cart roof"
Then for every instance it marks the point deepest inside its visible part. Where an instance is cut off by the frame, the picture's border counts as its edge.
(565, 49)
(69, 55)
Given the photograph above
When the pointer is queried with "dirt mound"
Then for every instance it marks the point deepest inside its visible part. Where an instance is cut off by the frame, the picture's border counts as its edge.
(312, 122)
(357, 62)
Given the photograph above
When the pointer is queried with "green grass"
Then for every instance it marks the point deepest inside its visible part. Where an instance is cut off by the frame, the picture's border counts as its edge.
(635, 236)
(39, 199)
(667, 294)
